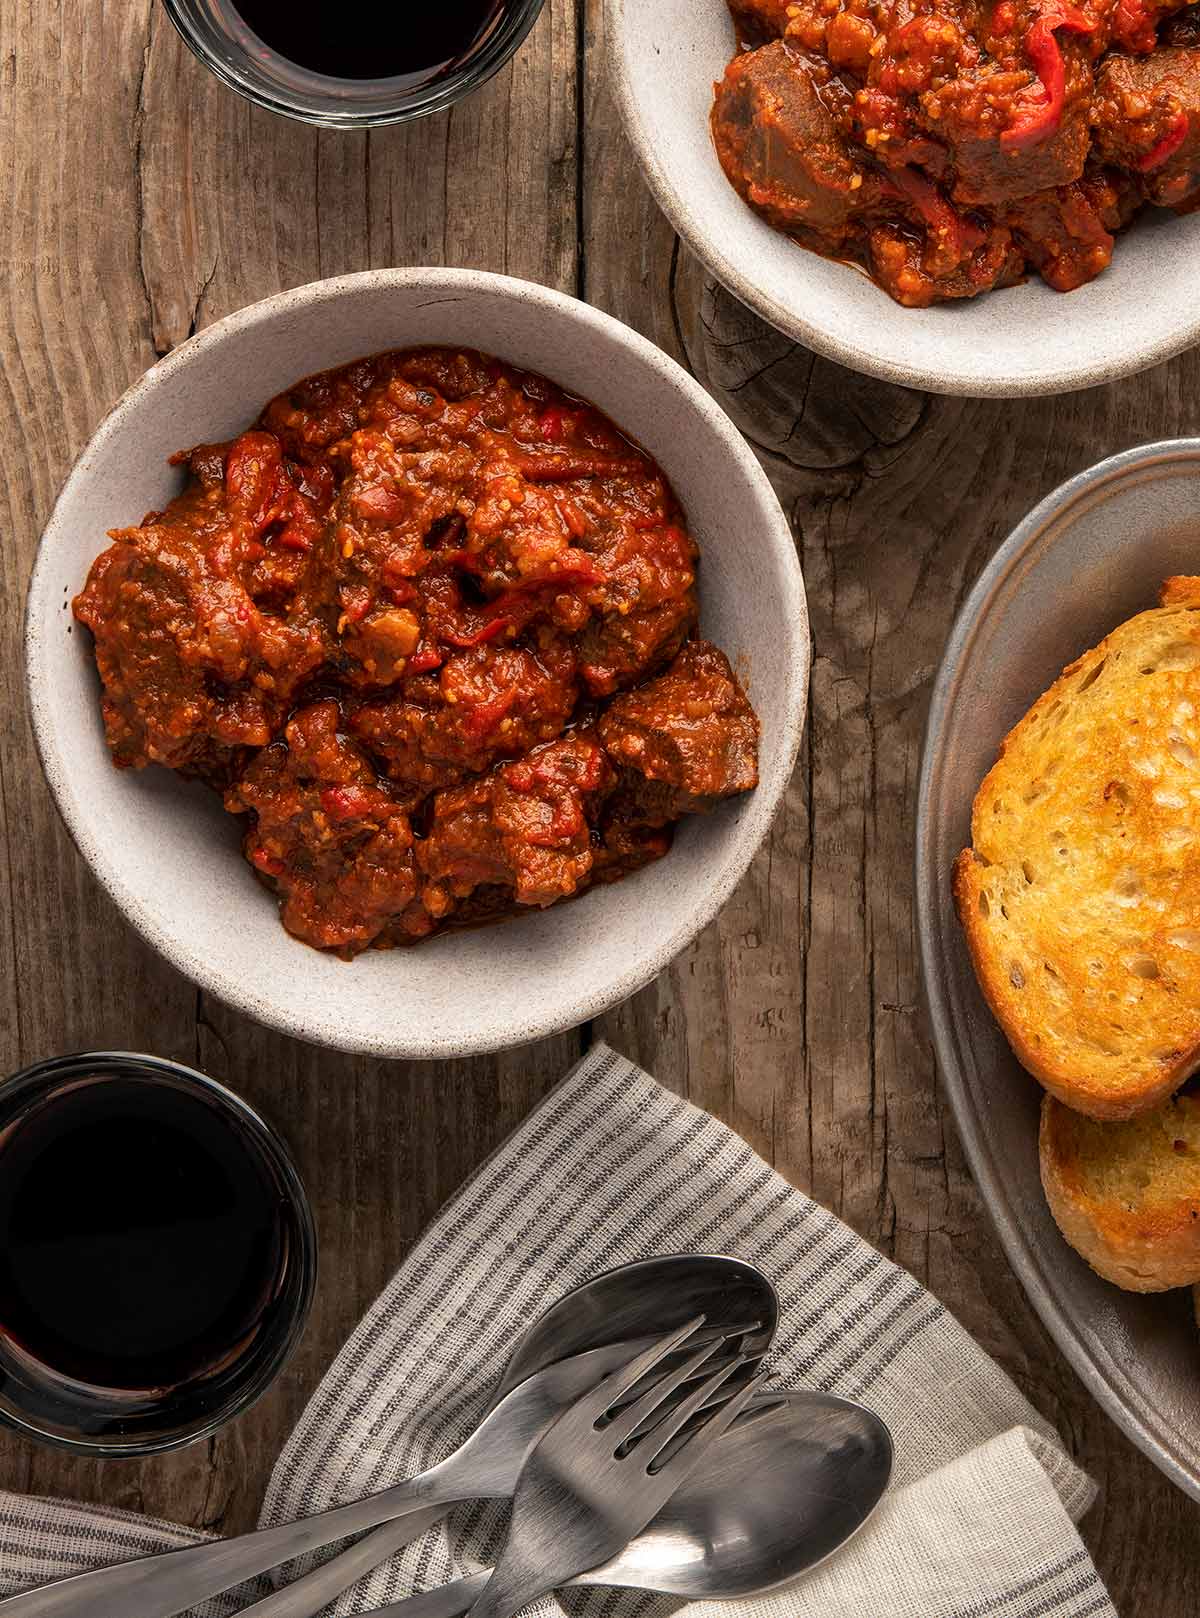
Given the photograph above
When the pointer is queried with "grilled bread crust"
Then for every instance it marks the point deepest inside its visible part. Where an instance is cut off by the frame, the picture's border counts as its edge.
(1127, 1196)
(1080, 897)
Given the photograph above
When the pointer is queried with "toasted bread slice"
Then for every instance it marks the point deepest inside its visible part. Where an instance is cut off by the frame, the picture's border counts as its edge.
(1081, 895)
(1127, 1196)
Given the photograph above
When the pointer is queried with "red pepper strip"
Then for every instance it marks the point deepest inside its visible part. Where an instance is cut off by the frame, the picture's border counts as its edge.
(489, 632)
(425, 657)
(293, 538)
(520, 597)
(582, 570)
(573, 519)
(1167, 146)
(551, 424)
(349, 802)
(356, 602)
(483, 719)
(266, 861)
(940, 219)
(1040, 111)
(517, 605)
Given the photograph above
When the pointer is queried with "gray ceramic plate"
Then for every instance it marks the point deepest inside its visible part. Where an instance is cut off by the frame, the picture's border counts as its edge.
(1090, 555)
(664, 57)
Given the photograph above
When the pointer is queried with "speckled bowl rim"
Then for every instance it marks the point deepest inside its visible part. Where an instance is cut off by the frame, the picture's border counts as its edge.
(1109, 1382)
(540, 1020)
(1066, 379)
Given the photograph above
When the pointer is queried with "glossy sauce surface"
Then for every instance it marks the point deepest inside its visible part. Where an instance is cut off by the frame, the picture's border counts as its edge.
(430, 628)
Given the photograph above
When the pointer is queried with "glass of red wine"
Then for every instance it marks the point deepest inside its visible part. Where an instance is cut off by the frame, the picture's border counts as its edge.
(157, 1254)
(356, 64)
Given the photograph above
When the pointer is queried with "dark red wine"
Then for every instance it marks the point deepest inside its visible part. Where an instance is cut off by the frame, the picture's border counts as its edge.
(368, 41)
(143, 1236)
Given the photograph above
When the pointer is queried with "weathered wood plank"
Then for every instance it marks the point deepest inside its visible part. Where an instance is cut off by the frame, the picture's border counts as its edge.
(142, 202)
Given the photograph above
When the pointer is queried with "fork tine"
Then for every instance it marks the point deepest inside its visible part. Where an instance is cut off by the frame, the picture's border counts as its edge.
(697, 1446)
(632, 1416)
(618, 1383)
(710, 1337)
(722, 1392)
(767, 1407)
(761, 1406)
(707, 1393)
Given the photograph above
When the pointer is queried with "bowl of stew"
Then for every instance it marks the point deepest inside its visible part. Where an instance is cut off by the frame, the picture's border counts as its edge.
(418, 659)
(970, 199)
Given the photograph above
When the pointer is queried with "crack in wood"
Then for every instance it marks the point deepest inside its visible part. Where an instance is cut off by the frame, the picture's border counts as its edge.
(139, 126)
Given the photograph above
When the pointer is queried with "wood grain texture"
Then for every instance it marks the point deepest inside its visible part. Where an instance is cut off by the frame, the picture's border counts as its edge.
(141, 201)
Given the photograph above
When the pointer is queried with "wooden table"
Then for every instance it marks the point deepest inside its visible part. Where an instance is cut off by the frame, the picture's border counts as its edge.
(142, 201)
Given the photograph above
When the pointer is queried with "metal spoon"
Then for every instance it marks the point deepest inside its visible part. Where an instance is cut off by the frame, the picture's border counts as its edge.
(776, 1496)
(637, 1300)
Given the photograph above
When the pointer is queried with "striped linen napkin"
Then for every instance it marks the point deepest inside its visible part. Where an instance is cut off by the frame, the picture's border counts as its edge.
(979, 1521)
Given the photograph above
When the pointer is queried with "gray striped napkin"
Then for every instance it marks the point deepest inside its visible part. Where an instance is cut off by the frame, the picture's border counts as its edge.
(980, 1519)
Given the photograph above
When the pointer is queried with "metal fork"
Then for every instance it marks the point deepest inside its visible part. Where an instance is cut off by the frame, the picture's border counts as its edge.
(596, 1479)
(312, 1592)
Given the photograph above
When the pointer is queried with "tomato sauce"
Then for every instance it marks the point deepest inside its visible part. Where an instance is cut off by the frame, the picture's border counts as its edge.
(429, 627)
(952, 147)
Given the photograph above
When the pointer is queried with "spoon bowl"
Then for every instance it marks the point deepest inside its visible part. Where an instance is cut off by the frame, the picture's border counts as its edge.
(645, 1299)
(776, 1496)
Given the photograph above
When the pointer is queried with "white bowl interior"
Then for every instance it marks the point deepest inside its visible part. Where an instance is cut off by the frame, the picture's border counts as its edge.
(666, 56)
(168, 853)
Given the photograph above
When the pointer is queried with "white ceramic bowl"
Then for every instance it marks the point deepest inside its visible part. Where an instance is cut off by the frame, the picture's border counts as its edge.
(169, 855)
(664, 58)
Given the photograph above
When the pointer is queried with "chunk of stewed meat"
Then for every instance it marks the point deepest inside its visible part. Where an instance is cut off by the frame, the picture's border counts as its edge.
(626, 843)
(333, 842)
(1146, 118)
(1182, 30)
(527, 827)
(994, 162)
(1067, 234)
(208, 617)
(935, 250)
(648, 607)
(486, 703)
(685, 740)
(1133, 25)
(781, 146)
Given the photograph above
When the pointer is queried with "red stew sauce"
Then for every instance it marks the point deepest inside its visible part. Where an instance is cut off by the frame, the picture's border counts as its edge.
(955, 146)
(430, 628)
